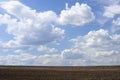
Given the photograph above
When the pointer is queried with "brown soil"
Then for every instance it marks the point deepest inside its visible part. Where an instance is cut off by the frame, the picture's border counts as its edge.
(59, 73)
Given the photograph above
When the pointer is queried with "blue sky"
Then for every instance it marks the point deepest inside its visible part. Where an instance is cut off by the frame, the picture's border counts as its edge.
(59, 33)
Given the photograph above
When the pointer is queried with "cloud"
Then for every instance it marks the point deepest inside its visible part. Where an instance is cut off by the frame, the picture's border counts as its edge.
(46, 49)
(30, 27)
(99, 40)
(39, 60)
(116, 22)
(72, 54)
(106, 9)
(76, 15)
(116, 25)
(95, 47)
(29, 59)
(108, 2)
(5, 18)
(111, 11)
(18, 59)
(33, 28)
(51, 60)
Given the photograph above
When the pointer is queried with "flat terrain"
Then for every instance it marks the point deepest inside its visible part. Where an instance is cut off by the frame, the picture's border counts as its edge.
(59, 73)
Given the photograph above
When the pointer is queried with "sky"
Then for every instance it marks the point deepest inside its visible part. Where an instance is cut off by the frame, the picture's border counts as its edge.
(60, 32)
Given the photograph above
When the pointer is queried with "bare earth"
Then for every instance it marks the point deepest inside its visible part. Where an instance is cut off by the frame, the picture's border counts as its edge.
(59, 73)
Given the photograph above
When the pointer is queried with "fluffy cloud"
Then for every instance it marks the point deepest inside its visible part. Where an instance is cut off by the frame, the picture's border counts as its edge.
(18, 59)
(116, 25)
(106, 9)
(6, 19)
(72, 54)
(111, 11)
(95, 47)
(116, 22)
(99, 40)
(30, 27)
(108, 2)
(76, 15)
(33, 28)
(46, 49)
(45, 60)
(54, 59)
(29, 59)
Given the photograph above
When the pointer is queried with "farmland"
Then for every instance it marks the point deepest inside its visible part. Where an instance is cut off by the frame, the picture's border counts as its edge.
(59, 73)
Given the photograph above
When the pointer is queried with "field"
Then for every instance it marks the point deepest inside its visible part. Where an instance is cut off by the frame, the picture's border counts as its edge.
(59, 73)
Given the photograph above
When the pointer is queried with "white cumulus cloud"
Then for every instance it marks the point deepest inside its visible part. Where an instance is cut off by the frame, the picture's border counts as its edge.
(29, 59)
(116, 22)
(30, 27)
(95, 47)
(46, 49)
(72, 54)
(111, 11)
(116, 25)
(77, 15)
